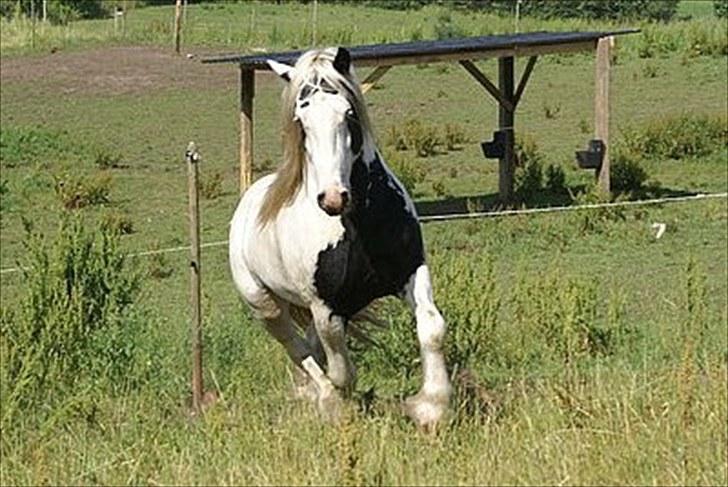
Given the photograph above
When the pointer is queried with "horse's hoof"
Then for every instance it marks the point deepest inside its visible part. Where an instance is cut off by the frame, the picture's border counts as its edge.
(331, 407)
(426, 411)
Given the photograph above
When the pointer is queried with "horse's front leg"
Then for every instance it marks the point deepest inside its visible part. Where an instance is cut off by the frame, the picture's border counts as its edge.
(332, 334)
(429, 405)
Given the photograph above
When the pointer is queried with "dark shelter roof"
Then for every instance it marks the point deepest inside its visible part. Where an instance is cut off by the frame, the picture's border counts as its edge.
(436, 50)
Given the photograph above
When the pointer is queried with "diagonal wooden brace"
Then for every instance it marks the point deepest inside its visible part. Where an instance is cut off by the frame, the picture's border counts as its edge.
(373, 77)
(487, 84)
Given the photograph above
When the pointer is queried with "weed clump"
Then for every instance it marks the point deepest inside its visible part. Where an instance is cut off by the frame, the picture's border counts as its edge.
(676, 138)
(627, 175)
(76, 322)
(528, 177)
(211, 185)
(76, 192)
(415, 135)
(407, 171)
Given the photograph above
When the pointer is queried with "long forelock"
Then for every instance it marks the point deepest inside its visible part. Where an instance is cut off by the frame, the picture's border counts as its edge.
(312, 64)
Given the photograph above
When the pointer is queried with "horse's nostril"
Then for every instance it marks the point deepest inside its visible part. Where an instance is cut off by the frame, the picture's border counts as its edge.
(344, 198)
(320, 198)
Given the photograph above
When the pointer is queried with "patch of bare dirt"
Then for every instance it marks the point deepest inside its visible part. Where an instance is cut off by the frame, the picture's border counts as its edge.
(116, 70)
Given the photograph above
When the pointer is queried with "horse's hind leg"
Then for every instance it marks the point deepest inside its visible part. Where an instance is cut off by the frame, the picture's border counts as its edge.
(430, 403)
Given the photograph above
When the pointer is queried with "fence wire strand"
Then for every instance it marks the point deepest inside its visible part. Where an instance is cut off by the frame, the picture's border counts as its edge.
(464, 216)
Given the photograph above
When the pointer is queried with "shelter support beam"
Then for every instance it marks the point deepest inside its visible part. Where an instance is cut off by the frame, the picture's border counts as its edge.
(487, 84)
(506, 114)
(247, 92)
(373, 77)
(601, 108)
(524, 79)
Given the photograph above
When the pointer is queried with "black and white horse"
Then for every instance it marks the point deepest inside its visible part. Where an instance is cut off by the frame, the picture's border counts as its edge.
(331, 231)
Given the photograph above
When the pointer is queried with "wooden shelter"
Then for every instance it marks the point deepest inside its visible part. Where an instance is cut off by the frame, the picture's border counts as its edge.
(506, 92)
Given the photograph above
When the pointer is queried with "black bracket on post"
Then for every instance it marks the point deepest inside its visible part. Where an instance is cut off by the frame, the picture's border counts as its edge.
(496, 148)
(592, 157)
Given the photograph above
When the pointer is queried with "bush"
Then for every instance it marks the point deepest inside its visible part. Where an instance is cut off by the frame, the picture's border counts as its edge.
(626, 175)
(454, 136)
(662, 10)
(677, 138)
(414, 135)
(422, 138)
(59, 11)
(76, 321)
(76, 192)
(211, 185)
(721, 8)
(555, 179)
(117, 222)
(445, 28)
(407, 171)
(105, 159)
(528, 177)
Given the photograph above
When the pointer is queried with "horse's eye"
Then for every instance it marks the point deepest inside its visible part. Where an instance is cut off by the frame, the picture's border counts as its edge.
(326, 87)
(305, 92)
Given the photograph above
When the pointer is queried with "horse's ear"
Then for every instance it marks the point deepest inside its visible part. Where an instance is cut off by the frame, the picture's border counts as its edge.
(283, 70)
(342, 61)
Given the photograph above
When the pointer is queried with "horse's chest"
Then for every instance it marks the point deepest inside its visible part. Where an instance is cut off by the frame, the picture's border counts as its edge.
(379, 251)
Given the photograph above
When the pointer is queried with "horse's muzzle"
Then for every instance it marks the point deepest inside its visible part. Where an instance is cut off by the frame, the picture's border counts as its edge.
(333, 201)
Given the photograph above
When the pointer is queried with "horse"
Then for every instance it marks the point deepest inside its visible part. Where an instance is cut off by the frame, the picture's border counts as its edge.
(328, 233)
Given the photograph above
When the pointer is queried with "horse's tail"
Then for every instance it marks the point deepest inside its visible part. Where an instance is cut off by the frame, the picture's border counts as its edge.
(360, 325)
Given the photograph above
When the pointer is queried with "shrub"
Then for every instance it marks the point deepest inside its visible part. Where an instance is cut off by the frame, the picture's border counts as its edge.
(626, 175)
(422, 138)
(677, 137)
(528, 177)
(76, 321)
(159, 266)
(662, 10)
(721, 8)
(445, 28)
(551, 111)
(407, 171)
(211, 185)
(559, 315)
(117, 222)
(454, 136)
(595, 220)
(4, 190)
(76, 192)
(105, 159)
(555, 179)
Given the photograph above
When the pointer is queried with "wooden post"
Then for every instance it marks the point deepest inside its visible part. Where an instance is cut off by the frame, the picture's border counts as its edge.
(601, 108)
(177, 24)
(247, 92)
(505, 123)
(193, 159)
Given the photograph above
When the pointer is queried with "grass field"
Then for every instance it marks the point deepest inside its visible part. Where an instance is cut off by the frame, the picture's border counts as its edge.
(597, 354)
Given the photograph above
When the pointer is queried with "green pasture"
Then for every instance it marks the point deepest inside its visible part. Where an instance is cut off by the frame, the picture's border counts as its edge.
(596, 353)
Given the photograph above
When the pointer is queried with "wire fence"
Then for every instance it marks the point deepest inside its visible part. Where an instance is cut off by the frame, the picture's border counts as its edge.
(467, 216)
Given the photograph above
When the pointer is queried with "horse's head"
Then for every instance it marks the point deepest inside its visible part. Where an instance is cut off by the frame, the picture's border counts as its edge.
(322, 109)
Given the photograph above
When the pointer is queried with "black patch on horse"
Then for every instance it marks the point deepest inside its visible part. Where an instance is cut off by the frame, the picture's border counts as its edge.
(381, 247)
(354, 126)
